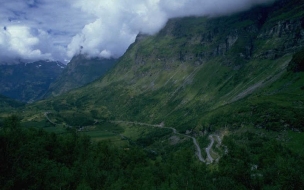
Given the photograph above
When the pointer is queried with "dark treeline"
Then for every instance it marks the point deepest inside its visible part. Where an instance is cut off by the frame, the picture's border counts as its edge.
(34, 159)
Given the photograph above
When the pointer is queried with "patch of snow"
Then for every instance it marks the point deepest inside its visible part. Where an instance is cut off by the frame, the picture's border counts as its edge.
(60, 66)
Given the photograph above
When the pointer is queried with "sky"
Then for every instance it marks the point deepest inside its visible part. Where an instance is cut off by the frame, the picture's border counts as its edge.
(59, 29)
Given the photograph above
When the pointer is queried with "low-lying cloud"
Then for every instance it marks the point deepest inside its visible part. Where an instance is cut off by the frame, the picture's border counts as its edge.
(59, 29)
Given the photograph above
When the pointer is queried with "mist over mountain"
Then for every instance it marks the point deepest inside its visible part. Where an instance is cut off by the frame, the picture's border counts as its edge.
(195, 65)
(208, 102)
(58, 30)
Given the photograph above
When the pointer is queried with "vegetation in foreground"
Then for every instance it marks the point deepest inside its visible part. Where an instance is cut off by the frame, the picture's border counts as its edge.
(43, 160)
(186, 78)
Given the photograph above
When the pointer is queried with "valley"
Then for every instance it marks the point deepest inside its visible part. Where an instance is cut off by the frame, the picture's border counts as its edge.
(205, 103)
(198, 150)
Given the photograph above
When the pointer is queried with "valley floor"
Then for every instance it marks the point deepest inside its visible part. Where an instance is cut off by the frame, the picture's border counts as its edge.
(215, 140)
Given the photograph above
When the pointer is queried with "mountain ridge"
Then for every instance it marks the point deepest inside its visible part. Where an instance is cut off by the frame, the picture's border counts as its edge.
(206, 103)
(196, 65)
(80, 71)
(28, 82)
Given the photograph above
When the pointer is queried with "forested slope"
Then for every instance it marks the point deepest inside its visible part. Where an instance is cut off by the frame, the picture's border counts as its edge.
(48, 161)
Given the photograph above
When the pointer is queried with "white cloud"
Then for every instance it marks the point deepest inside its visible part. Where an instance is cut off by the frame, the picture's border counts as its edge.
(119, 21)
(51, 24)
(59, 29)
(17, 41)
(100, 36)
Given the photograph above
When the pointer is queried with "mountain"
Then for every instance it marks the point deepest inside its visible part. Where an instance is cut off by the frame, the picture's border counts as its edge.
(27, 82)
(198, 68)
(79, 72)
(207, 103)
(198, 82)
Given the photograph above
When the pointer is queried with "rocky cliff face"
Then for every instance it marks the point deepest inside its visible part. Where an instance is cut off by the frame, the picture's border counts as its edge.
(264, 32)
(28, 82)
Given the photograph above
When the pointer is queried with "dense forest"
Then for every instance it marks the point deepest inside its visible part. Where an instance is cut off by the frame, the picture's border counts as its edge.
(34, 159)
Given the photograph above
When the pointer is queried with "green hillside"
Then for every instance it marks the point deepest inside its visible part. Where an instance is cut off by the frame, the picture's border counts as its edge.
(206, 103)
(196, 66)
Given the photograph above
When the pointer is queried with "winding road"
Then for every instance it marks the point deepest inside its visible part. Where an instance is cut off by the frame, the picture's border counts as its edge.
(47, 117)
(198, 149)
(161, 125)
(197, 146)
(209, 148)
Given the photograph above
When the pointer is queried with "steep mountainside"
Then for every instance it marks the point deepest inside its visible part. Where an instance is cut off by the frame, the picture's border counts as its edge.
(207, 103)
(79, 72)
(28, 82)
(196, 69)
